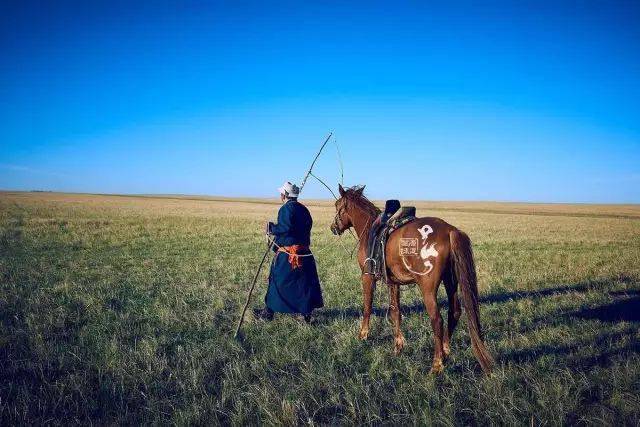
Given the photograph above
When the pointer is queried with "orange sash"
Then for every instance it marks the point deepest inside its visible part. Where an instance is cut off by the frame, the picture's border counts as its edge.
(293, 251)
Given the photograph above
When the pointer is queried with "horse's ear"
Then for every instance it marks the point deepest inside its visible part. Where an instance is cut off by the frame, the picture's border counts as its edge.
(360, 190)
(341, 190)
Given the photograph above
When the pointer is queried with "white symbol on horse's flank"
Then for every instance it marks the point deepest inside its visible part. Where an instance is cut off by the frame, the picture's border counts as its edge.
(427, 251)
(409, 246)
(425, 230)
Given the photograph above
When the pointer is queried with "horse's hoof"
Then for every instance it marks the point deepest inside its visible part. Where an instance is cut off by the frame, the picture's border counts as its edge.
(446, 350)
(398, 345)
(437, 367)
(364, 333)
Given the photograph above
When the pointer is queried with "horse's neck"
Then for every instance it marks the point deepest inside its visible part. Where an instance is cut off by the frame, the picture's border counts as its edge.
(362, 223)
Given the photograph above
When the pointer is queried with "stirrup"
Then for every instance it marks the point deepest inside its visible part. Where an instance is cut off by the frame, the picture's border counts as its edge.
(373, 271)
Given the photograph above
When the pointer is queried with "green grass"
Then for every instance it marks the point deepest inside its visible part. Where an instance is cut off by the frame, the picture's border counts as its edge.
(122, 310)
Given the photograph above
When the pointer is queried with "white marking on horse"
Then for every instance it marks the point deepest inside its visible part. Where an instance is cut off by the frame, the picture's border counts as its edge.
(425, 230)
(427, 251)
(411, 270)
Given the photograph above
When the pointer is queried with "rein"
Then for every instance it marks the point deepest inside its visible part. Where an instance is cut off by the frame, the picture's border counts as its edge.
(271, 241)
(359, 239)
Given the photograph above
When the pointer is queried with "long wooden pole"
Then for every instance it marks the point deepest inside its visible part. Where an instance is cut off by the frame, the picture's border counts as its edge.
(253, 285)
(304, 180)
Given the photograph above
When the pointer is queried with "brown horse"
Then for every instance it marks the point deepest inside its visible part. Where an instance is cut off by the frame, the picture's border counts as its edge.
(426, 251)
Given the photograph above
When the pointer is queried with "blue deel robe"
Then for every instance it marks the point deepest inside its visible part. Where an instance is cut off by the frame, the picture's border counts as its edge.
(293, 290)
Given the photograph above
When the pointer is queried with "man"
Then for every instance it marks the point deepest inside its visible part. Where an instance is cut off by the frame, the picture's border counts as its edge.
(294, 286)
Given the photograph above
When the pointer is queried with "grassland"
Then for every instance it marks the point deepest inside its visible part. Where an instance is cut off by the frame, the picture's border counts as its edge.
(121, 310)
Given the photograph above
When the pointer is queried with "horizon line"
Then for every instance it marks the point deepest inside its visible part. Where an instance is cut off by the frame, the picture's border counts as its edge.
(204, 197)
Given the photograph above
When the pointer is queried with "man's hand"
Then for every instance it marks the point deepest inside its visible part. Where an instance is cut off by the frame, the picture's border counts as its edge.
(268, 228)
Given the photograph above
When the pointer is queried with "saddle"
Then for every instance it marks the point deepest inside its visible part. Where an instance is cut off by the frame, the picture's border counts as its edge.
(379, 267)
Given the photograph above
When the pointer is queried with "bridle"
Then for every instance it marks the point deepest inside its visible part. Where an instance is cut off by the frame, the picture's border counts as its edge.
(338, 226)
(337, 220)
(337, 223)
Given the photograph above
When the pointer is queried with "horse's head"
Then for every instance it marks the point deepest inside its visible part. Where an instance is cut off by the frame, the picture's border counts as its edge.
(344, 209)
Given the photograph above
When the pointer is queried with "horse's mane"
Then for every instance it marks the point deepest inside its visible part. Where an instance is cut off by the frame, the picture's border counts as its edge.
(354, 194)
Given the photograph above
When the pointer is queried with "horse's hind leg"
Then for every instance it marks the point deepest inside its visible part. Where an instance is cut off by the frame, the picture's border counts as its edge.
(394, 307)
(454, 312)
(429, 288)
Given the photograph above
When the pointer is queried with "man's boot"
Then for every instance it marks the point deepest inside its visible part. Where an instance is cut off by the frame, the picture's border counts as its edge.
(265, 314)
(304, 317)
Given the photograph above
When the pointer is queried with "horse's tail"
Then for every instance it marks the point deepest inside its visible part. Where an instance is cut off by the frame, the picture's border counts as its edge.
(465, 271)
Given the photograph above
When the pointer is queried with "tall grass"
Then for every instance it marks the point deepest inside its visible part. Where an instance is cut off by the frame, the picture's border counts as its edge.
(121, 310)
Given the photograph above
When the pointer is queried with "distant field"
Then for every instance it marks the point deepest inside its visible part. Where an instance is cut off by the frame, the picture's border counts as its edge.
(121, 309)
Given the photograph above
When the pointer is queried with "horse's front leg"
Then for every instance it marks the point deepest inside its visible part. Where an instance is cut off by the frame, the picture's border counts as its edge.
(368, 285)
(394, 306)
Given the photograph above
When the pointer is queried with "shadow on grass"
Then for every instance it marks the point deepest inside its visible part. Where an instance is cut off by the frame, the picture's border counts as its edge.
(585, 351)
(627, 310)
(580, 354)
(616, 311)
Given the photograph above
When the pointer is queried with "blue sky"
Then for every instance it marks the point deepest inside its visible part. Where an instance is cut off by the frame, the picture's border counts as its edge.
(523, 101)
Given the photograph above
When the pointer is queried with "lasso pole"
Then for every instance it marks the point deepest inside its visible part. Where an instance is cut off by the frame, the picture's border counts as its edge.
(253, 285)
(304, 180)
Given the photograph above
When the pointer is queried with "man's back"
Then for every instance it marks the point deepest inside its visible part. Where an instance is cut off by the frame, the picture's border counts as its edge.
(294, 224)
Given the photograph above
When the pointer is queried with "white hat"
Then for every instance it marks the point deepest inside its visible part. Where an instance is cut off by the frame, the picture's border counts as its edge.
(289, 189)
